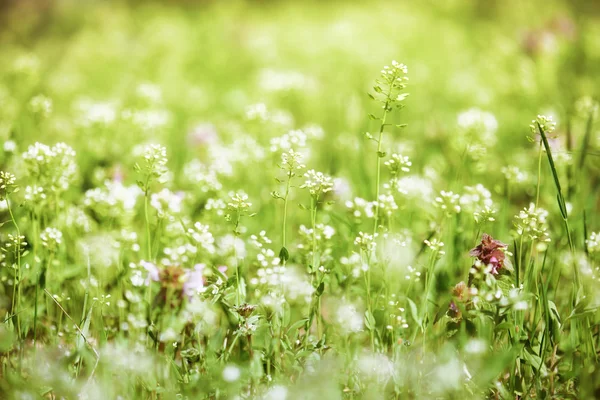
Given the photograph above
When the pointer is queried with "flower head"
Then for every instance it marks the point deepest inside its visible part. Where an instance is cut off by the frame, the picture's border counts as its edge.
(490, 252)
(317, 183)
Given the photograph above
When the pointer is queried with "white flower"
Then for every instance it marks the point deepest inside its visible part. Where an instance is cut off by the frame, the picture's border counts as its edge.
(167, 202)
(231, 373)
(349, 318)
(593, 243)
(366, 241)
(51, 238)
(317, 183)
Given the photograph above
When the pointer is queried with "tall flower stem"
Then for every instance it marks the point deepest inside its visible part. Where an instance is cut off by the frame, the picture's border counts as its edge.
(379, 156)
(17, 284)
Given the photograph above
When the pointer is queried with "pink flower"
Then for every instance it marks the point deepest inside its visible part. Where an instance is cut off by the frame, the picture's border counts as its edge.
(194, 280)
(153, 272)
(203, 134)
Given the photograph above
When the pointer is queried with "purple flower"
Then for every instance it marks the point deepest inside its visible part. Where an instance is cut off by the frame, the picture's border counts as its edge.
(203, 134)
(194, 280)
(153, 272)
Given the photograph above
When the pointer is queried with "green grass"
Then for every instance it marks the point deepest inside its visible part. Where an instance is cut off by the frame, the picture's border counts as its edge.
(160, 239)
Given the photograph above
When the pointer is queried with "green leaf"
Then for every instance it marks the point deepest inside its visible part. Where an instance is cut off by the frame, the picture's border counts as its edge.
(284, 254)
(369, 320)
(414, 312)
(321, 289)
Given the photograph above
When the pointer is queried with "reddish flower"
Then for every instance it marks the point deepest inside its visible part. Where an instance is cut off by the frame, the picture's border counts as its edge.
(490, 252)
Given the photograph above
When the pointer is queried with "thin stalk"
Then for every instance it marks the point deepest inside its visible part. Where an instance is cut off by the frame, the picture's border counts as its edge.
(17, 283)
(147, 219)
(378, 176)
(285, 207)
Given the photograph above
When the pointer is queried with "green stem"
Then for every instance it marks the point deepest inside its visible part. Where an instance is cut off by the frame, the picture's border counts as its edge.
(378, 176)
(17, 283)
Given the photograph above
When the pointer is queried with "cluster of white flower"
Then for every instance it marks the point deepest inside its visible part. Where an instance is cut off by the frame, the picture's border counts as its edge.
(93, 113)
(167, 203)
(415, 187)
(366, 242)
(317, 183)
(435, 245)
(41, 106)
(398, 163)
(176, 255)
(546, 123)
(593, 243)
(201, 235)
(7, 184)
(149, 120)
(413, 273)
(51, 238)
(348, 318)
(155, 158)
(277, 81)
(293, 139)
(514, 175)
(54, 168)
(531, 222)
(448, 202)
(115, 200)
(291, 161)
(323, 234)
(478, 125)
(201, 176)
(396, 74)
(238, 202)
(217, 206)
(359, 207)
(477, 200)
(387, 204)
(260, 112)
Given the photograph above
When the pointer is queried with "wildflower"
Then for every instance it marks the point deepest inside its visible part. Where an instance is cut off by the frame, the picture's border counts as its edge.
(92, 113)
(291, 161)
(152, 270)
(481, 122)
(490, 252)
(10, 146)
(155, 159)
(546, 123)
(166, 202)
(53, 167)
(514, 175)
(239, 202)
(593, 243)
(398, 163)
(349, 318)
(531, 222)
(317, 183)
(366, 241)
(231, 373)
(7, 184)
(448, 202)
(293, 139)
(435, 245)
(194, 280)
(41, 105)
(395, 77)
(202, 236)
(51, 238)
(203, 134)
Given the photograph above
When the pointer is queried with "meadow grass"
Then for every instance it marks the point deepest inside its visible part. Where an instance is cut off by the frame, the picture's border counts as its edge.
(255, 200)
